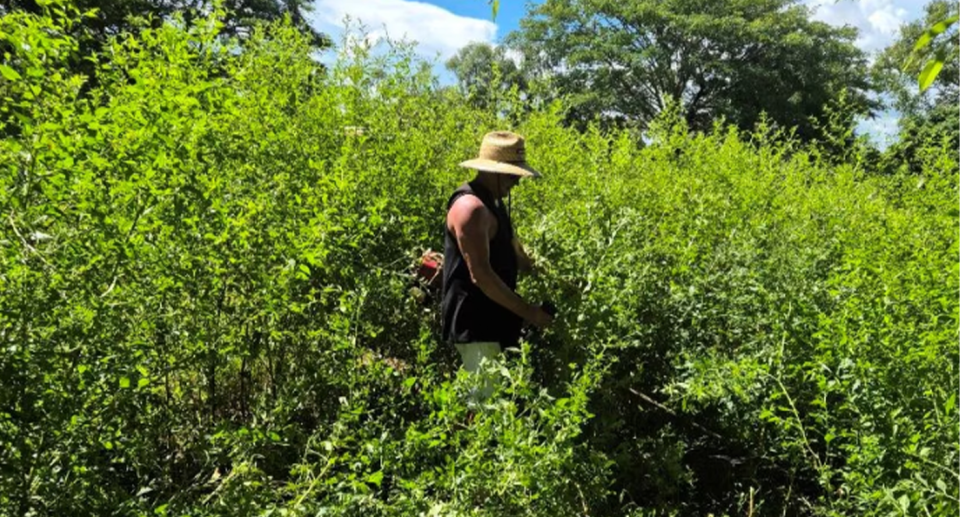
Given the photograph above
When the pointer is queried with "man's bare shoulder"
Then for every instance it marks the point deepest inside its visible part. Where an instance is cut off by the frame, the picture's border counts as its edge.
(468, 210)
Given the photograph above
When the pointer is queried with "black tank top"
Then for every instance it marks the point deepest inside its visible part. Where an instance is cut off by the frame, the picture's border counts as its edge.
(468, 314)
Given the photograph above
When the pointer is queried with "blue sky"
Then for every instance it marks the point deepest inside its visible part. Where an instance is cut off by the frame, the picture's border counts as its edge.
(441, 27)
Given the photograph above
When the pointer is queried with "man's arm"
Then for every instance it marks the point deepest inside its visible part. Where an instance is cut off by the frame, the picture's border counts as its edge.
(524, 262)
(473, 225)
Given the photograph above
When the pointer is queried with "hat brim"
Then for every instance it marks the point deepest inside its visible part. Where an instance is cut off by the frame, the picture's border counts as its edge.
(517, 169)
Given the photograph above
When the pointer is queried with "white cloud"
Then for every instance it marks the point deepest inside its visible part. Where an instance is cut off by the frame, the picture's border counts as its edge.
(887, 21)
(436, 30)
(877, 20)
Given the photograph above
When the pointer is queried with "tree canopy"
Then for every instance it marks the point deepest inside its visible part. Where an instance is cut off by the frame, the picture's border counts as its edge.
(113, 16)
(929, 116)
(622, 61)
(897, 66)
(475, 65)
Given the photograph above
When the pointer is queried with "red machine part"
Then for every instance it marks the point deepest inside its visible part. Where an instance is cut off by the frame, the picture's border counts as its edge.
(429, 268)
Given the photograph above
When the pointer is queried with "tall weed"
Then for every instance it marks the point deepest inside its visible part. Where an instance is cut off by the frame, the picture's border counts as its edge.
(205, 305)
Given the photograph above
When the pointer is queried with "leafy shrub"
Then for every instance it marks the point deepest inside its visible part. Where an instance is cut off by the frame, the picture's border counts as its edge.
(204, 305)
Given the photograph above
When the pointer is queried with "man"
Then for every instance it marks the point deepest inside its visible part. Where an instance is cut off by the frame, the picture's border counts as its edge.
(482, 312)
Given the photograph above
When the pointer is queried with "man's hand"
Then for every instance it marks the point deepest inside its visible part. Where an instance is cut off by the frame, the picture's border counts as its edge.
(538, 317)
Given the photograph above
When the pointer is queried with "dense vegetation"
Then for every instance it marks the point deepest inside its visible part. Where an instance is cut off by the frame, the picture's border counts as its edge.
(205, 303)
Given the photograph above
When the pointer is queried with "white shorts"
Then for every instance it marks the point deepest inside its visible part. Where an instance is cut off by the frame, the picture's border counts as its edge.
(472, 354)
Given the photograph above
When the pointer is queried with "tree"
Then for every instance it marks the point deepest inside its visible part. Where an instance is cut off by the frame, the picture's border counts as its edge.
(936, 129)
(622, 61)
(928, 117)
(478, 66)
(113, 15)
(898, 66)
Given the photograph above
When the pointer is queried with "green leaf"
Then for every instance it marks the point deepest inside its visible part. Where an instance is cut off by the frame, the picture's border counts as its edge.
(494, 8)
(143, 382)
(904, 503)
(930, 73)
(274, 436)
(942, 26)
(124, 382)
(929, 34)
(376, 478)
(9, 73)
(923, 41)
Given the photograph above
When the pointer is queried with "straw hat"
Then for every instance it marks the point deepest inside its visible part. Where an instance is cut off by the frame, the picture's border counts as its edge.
(502, 152)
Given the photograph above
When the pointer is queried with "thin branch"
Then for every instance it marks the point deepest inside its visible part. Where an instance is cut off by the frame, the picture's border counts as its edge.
(796, 414)
(672, 413)
(24, 241)
(126, 240)
(933, 463)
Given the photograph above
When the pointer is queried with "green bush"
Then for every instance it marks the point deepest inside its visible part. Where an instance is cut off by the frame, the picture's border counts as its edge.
(205, 306)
